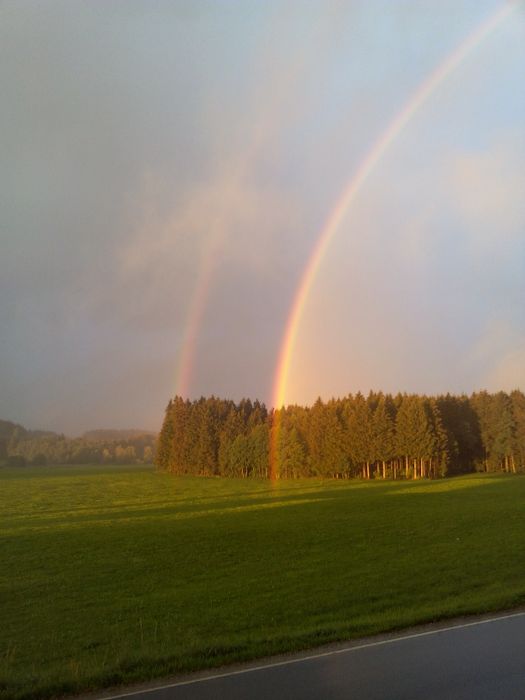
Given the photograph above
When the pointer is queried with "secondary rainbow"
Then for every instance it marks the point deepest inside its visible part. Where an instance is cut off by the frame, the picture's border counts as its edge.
(264, 123)
(351, 190)
(196, 312)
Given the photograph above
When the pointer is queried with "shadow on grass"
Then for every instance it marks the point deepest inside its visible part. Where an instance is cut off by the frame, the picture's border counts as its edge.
(280, 495)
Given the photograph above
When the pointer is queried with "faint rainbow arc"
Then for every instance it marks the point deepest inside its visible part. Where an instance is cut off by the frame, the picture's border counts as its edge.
(195, 315)
(349, 193)
(199, 298)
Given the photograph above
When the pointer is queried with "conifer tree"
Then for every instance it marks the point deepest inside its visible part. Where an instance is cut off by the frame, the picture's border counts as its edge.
(414, 437)
(179, 458)
(239, 459)
(504, 432)
(462, 427)
(359, 434)
(383, 435)
(208, 440)
(292, 453)
(315, 437)
(165, 441)
(482, 405)
(231, 428)
(335, 460)
(518, 410)
(444, 443)
(260, 449)
(354, 436)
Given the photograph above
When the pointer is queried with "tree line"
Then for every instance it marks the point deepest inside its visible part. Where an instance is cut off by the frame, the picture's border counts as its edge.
(380, 436)
(21, 447)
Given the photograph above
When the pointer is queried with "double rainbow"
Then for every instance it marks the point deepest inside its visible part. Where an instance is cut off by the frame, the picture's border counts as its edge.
(331, 226)
(352, 189)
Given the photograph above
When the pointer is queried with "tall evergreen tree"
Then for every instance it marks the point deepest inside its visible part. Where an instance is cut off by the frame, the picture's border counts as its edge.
(208, 440)
(292, 453)
(165, 441)
(382, 435)
(359, 434)
(260, 449)
(504, 432)
(409, 435)
(231, 428)
(518, 410)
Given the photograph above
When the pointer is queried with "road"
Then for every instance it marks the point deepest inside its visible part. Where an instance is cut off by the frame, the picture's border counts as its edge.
(480, 659)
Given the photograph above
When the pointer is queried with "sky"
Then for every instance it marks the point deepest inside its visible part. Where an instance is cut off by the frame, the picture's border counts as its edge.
(167, 168)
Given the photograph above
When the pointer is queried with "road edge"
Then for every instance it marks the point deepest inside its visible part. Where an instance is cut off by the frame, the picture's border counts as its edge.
(332, 648)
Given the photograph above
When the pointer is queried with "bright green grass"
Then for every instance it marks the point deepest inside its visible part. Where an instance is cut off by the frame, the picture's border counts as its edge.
(110, 575)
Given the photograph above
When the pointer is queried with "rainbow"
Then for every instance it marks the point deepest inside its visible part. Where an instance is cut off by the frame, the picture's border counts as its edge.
(196, 312)
(264, 124)
(352, 189)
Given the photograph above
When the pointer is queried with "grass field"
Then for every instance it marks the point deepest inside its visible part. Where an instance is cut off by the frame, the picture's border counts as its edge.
(118, 574)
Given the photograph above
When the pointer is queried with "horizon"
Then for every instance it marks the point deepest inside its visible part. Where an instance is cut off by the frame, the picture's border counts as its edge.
(308, 406)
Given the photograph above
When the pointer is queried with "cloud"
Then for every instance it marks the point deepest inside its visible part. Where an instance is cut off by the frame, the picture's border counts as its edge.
(422, 287)
(227, 221)
(499, 353)
(487, 190)
(509, 372)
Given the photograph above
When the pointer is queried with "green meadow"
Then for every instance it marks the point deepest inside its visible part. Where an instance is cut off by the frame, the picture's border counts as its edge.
(110, 575)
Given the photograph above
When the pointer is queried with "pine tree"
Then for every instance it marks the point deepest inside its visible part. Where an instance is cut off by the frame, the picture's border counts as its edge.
(239, 458)
(260, 449)
(404, 432)
(354, 436)
(208, 440)
(231, 428)
(182, 437)
(163, 458)
(359, 434)
(292, 453)
(444, 443)
(335, 461)
(383, 435)
(314, 437)
(462, 427)
(504, 431)
(482, 405)
(518, 410)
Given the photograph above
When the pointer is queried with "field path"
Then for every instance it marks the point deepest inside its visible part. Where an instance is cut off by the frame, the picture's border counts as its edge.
(482, 658)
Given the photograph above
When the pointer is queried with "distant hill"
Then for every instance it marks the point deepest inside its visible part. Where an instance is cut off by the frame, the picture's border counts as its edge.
(12, 434)
(8, 429)
(19, 446)
(37, 434)
(107, 435)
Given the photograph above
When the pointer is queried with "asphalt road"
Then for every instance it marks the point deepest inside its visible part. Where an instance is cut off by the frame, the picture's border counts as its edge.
(474, 660)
